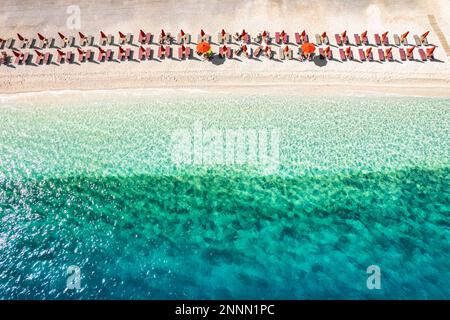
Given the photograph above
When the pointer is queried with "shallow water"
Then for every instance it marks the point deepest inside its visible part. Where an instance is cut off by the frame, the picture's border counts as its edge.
(321, 189)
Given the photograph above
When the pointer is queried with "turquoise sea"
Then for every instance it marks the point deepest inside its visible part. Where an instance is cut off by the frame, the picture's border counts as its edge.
(243, 197)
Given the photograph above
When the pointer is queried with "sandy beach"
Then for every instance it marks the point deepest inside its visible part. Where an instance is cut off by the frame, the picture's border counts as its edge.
(334, 77)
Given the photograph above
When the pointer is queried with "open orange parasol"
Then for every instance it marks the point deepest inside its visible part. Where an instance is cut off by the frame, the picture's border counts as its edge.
(308, 48)
(203, 47)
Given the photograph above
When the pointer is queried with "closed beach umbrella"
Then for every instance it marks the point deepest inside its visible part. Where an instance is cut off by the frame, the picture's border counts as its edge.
(203, 47)
(308, 48)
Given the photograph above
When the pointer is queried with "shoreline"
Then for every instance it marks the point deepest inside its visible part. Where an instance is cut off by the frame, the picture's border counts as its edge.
(324, 89)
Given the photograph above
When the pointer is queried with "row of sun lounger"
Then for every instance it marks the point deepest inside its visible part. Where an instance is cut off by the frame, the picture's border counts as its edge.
(186, 52)
(223, 37)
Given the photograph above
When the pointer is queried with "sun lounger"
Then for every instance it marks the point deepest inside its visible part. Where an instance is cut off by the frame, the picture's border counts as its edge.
(109, 56)
(183, 38)
(321, 53)
(226, 52)
(110, 40)
(381, 55)
(9, 43)
(365, 40)
(285, 55)
(377, 39)
(389, 56)
(396, 39)
(184, 55)
(330, 55)
(204, 38)
(362, 55)
(223, 38)
(39, 57)
(165, 53)
(349, 53)
(338, 39)
(257, 52)
(318, 39)
(417, 40)
(124, 54)
(357, 40)
(69, 56)
(47, 58)
(410, 55)
(101, 55)
(422, 54)
(21, 58)
(402, 54)
(385, 40)
(145, 38)
(279, 39)
(303, 37)
(342, 54)
(61, 57)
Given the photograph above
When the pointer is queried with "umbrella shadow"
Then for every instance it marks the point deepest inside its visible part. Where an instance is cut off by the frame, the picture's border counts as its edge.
(320, 62)
(217, 60)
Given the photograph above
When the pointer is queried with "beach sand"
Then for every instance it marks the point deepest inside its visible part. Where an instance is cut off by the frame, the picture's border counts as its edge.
(240, 74)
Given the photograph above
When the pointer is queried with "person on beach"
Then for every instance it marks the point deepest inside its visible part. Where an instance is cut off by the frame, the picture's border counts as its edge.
(3, 58)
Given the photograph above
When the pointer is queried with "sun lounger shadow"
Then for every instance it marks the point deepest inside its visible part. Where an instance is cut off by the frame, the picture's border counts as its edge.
(336, 60)
(277, 60)
(237, 59)
(10, 66)
(93, 61)
(437, 60)
(195, 58)
(55, 64)
(256, 59)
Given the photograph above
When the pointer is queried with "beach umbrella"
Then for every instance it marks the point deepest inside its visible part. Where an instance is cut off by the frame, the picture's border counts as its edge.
(424, 36)
(203, 47)
(41, 37)
(364, 34)
(61, 35)
(102, 35)
(308, 48)
(20, 37)
(430, 51)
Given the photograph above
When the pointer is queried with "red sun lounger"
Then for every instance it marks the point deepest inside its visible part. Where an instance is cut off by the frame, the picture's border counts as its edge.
(342, 54)
(338, 39)
(349, 53)
(357, 40)
(422, 54)
(281, 37)
(298, 40)
(109, 55)
(381, 55)
(389, 55)
(362, 55)
(377, 39)
(164, 54)
(184, 55)
(402, 53)
(385, 39)
(61, 57)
